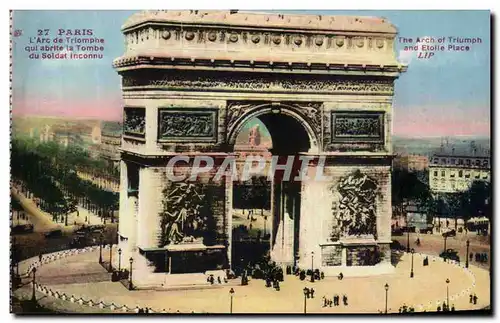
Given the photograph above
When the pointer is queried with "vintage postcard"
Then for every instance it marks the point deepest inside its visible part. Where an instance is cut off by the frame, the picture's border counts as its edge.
(241, 162)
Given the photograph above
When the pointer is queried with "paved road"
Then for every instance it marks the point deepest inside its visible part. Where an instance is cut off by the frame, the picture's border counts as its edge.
(433, 244)
(365, 294)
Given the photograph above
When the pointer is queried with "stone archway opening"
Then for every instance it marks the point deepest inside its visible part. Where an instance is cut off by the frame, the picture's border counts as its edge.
(268, 225)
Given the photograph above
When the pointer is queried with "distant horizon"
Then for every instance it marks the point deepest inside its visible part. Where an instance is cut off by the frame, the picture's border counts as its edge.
(394, 136)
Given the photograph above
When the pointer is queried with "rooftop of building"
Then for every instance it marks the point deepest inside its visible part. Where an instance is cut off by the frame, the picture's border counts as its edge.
(259, 19)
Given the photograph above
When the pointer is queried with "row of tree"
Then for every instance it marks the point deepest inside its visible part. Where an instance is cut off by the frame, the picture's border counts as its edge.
(47, 172)
(408, 188)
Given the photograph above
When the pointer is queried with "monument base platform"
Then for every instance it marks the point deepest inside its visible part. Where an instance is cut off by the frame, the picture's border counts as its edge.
(165, 281)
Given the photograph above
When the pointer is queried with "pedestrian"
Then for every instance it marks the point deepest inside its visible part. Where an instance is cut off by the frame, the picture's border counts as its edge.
(225, 280)
(312, 292)
(336, 299)
(475, 299)
(324, 301)
(344, 298)
(453, 308)
(330, 302)
(439, 309)
(40, 257)
(470, 298)
(308, 293)
(218, 280)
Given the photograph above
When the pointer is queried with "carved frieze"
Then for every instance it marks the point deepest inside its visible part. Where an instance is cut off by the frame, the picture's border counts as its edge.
(289, 39)
(357, 127)
(249, 82)
(187, 124)
(134, 121)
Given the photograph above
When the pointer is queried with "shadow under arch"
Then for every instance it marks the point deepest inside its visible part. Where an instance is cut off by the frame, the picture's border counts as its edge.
(290, 131)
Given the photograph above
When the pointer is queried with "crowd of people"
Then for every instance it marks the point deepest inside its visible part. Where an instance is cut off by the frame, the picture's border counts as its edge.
(335, 301)
(479, 257)
(446, 308)
(211, 280)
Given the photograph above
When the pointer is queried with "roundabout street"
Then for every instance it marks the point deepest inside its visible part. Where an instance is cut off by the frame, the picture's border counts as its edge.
(80, 275)
(433, 244)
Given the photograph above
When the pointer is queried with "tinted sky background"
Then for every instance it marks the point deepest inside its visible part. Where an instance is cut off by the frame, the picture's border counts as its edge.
(447, 95)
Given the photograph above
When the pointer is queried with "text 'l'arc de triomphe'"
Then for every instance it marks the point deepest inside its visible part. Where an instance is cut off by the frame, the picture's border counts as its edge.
(322, 85)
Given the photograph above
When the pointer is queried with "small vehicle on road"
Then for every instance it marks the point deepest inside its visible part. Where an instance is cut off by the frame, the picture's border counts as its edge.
(53, 234)
(450, 254)
(23, 228)
(396, 232)
(450, 233)
(429, 229)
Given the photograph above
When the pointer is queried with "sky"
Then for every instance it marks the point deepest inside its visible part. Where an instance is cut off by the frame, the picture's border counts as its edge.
(447, 95)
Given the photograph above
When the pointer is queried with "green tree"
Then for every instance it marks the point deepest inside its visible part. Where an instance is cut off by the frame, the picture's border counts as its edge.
(406, 188)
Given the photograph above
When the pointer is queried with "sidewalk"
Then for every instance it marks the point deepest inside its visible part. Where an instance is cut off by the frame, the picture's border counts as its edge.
(42, 221)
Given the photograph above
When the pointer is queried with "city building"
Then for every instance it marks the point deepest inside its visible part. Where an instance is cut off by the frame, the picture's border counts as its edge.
(110, 148)
(452, 173)
(46, 134)
(96, 134)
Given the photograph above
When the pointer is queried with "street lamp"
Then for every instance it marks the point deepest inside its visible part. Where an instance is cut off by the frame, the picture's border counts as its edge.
(33, 296)
(306, 291)
(101, 238)
(231, 293)
(265, 222)
(119, 259)
(110, 257)
(312, 266)
(386, 295)
(467, 254)
(447, 292)
(412, 253)
(407, 229)
(131, 260)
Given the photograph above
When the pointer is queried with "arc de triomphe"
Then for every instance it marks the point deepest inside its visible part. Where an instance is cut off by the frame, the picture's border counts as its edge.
(322, 85)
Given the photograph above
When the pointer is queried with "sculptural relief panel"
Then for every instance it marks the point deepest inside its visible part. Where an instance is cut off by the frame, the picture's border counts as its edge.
(354, 208)
(357, 127)
(187, 216)
(134, 121)
(187, 124)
